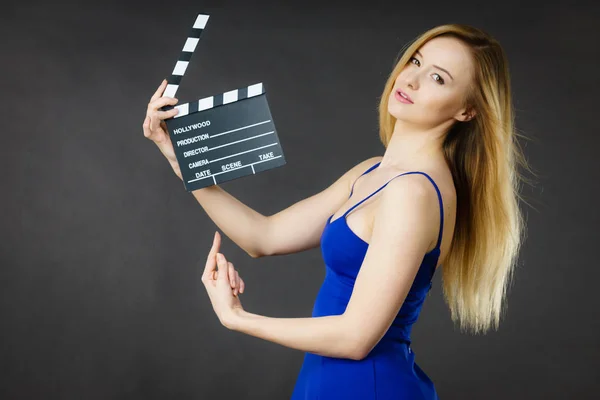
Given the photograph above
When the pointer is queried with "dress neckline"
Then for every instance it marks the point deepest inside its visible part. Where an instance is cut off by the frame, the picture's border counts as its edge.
(329, 222)
(371, 168)
(345, 223)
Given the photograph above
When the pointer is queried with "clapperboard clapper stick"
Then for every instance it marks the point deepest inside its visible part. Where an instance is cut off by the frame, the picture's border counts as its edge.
(222, 137)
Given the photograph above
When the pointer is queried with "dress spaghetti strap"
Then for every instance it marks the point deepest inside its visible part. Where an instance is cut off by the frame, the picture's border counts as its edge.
(405, 173)
(364, 173)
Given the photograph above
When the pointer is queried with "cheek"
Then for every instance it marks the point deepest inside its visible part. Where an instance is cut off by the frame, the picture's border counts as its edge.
(448, 105)
(439, 102)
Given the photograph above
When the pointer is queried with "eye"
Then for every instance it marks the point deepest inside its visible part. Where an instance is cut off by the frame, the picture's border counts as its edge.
(440, 81)
(412, 58)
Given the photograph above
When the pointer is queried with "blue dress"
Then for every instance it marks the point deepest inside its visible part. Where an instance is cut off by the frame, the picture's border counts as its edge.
(389, 371)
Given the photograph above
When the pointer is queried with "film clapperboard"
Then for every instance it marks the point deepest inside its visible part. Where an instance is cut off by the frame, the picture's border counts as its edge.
(221, 137)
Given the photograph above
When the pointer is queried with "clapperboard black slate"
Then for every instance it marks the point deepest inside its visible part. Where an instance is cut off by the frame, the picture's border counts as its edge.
(222, 137)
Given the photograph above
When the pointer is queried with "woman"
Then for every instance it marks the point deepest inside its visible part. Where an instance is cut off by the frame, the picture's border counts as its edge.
(451, 197)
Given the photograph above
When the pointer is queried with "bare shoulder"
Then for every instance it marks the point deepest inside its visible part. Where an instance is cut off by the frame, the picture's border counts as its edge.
(421, 184)
(369, 162)
(412, 188)
(353, 173)
(418, 192)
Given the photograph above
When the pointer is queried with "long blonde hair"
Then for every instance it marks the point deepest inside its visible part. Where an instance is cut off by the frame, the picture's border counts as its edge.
(483, 155)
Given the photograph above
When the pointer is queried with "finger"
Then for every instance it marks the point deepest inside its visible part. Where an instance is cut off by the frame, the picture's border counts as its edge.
(242, 285)
(156, 117)
(151, 131)
(160, 90)
(231, 271)
(146, 127)
(161, 102)
(211, 262)
(237, 282)
(210, 272)
(160, 115)
(222, 266)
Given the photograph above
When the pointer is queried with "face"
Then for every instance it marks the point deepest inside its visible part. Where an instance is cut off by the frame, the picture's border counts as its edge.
(436, 95)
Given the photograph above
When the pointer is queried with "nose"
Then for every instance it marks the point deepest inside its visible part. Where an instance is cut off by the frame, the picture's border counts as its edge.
(411, 80)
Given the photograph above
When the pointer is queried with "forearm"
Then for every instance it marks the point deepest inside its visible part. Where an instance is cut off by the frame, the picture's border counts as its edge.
(326, 336)
(245, 226)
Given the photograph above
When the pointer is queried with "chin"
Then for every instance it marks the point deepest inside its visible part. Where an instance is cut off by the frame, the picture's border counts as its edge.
(396, 113)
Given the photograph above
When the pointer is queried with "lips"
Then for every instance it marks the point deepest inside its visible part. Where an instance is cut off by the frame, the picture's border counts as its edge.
(403, 94)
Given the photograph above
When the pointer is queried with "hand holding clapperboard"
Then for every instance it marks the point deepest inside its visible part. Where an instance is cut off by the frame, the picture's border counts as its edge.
(214, 139)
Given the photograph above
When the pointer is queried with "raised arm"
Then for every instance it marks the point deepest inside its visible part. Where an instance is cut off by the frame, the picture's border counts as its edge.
(294, 229)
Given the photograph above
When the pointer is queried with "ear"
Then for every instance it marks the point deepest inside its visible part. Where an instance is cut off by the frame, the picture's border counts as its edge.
(466, 114)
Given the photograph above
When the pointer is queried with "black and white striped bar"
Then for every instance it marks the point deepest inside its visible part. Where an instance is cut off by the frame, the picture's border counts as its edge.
(224, 137)
(217, 100)
(185, 56)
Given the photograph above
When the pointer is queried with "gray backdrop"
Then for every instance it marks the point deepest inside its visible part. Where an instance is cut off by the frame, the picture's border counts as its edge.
(102, 249)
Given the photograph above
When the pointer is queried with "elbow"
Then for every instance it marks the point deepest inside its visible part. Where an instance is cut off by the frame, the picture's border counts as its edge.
(357, 349)
(258, 253)
(253, 255)
(358, 354)
(357, 341)
(257, 248)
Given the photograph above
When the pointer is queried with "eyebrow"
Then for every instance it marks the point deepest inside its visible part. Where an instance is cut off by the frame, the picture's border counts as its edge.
(419, 53)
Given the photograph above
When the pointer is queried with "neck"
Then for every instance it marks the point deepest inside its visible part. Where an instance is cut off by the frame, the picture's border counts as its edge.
(413, 147)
